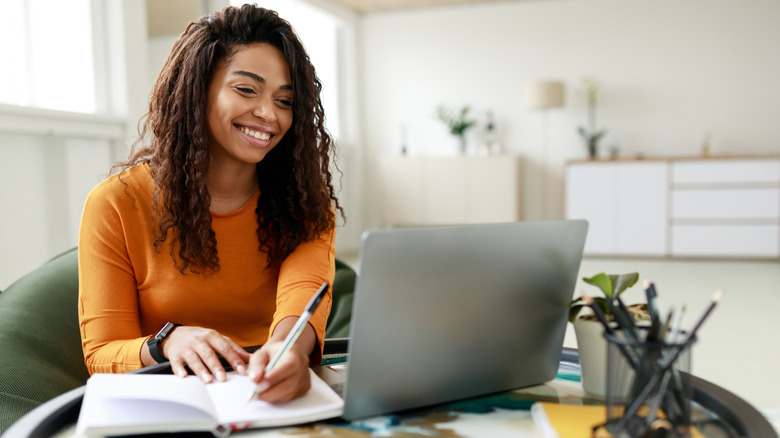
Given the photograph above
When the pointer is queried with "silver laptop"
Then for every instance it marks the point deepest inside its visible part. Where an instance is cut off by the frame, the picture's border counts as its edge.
(442, 314)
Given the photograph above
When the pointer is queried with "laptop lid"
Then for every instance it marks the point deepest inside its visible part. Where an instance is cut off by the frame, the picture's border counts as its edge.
(442, 314)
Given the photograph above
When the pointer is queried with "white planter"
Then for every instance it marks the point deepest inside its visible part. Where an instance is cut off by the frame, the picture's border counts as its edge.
(593, 357)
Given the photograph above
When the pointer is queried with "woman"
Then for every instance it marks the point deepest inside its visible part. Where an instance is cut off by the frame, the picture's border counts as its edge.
(221, 227)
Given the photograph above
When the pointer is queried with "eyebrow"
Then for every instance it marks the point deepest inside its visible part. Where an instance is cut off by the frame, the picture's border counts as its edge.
(257, 78)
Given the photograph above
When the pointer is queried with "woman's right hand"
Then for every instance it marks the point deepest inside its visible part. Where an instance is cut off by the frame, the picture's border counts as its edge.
(200, 349)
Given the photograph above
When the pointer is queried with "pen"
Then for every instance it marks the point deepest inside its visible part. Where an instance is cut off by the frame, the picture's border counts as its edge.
(665, 364)
(295, 332)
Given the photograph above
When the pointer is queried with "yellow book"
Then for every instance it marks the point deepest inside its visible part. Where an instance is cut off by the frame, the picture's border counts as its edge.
(554, 420)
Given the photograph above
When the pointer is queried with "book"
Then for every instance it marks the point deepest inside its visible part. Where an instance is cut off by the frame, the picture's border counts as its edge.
(555, 420)
(120, 404)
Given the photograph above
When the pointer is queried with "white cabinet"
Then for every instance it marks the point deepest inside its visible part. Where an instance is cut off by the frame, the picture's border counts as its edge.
(625, 204)
(725, 208)
(450, 190)
(717, 208)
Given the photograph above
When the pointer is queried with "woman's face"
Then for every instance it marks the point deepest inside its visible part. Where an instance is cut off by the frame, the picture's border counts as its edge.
(249, 105)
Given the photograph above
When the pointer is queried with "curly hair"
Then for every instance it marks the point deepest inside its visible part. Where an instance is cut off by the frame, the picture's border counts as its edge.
(297, 202)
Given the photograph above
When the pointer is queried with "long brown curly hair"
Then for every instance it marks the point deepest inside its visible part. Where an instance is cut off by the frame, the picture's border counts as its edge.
(297, 200)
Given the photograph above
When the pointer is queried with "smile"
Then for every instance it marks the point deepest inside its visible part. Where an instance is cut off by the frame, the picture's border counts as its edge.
(256, 134)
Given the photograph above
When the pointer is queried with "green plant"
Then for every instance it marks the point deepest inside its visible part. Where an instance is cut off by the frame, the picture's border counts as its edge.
(457, 122)
(591, 134)
(611, 286)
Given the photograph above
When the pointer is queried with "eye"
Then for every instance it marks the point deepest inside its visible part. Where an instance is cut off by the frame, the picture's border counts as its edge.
(245, 90)
(284, 102)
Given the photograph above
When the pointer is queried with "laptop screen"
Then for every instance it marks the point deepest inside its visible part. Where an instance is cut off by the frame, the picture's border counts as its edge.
(447, 313)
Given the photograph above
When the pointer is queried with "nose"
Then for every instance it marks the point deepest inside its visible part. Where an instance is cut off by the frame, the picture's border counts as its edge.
(264, 109)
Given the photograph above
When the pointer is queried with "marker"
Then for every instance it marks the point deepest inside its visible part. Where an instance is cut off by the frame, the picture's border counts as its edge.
(295, 332)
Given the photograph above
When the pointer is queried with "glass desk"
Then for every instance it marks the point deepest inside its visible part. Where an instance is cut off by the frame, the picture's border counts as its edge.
(719, 413)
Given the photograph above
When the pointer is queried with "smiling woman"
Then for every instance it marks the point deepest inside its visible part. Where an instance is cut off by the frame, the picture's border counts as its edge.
(249, 112)
(220, 226)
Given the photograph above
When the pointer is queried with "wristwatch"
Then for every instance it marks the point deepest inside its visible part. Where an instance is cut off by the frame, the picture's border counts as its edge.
(155, 342)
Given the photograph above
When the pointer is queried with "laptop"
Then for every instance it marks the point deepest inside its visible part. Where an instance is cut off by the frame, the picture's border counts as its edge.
(447, 313)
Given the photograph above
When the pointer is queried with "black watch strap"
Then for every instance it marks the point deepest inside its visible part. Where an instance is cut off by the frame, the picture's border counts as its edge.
(155, 341)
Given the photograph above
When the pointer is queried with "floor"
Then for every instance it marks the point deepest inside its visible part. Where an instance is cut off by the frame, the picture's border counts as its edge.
(738, 346)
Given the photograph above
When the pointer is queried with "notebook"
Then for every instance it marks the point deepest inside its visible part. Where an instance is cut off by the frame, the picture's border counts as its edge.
(447, 313)
(120, 404)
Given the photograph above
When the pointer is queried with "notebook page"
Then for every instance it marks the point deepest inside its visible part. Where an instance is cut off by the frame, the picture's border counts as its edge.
(144, 401)
(230, 403)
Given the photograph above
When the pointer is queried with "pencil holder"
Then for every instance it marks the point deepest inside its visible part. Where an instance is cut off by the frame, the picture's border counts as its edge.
(648, 386)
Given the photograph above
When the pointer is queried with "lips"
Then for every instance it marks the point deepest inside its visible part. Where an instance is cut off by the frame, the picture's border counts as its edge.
(260, 135)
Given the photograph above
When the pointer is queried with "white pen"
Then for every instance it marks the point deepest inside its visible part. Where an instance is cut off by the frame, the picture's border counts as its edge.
(295, 332)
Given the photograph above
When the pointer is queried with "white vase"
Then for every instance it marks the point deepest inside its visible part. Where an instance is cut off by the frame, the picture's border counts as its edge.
(459, 144)
(593, 357)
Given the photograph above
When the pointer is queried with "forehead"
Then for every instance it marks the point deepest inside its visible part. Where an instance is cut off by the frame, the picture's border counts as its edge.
(262, 59)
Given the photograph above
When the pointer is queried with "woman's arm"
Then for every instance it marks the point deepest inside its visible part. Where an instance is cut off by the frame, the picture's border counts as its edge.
(108, 301)
(302, 273)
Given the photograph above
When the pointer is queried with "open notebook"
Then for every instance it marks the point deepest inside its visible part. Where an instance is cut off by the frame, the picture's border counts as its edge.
(119, 404)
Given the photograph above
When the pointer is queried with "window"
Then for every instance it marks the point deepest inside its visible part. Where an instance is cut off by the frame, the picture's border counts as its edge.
(318, 32)
(49, 54)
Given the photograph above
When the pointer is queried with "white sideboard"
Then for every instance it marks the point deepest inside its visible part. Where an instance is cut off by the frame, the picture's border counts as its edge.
(684, 207)
(419, 191)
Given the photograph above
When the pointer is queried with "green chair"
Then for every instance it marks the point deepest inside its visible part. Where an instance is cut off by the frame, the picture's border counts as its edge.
(40, 344)
(343, 293)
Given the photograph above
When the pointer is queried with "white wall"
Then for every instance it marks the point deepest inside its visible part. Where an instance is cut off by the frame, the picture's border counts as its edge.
(671, 71)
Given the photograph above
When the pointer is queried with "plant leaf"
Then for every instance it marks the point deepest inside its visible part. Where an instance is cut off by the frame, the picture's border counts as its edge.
(623, 281)
(601, 281)
(602, 303)
(574, 310)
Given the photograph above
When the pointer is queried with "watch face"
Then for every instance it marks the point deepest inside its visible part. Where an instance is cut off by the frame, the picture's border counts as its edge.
(165, 331)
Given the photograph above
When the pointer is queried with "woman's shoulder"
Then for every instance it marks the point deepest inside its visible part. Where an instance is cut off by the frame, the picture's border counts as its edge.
(130, 185)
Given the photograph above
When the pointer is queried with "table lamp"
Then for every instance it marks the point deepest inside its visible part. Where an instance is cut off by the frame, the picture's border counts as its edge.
(544, 95)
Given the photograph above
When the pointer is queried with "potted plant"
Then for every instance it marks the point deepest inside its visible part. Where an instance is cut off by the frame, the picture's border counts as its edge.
(591, 134)
(457, 123)
(589, 331)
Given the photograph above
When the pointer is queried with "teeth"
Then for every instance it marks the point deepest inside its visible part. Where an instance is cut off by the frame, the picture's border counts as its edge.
(255, 134)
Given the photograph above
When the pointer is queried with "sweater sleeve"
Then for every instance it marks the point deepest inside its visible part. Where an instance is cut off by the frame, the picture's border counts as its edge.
(108, 299)
(301, 274)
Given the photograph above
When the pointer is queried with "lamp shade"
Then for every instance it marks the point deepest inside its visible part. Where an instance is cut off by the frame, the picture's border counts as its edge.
(543, 94)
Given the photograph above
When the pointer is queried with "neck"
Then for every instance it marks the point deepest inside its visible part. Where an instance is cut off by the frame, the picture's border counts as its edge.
(230, 188)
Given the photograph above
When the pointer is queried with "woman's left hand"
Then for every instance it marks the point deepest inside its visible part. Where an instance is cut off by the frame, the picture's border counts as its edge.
(289, 379)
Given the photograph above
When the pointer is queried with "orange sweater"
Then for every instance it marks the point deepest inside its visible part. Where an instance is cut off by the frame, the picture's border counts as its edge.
(127, 290)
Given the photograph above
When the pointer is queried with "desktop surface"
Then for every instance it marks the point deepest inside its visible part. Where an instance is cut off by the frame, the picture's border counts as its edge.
(719, 413)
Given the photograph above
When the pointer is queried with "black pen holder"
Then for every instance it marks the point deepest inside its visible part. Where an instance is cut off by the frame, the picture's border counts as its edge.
(648, 386)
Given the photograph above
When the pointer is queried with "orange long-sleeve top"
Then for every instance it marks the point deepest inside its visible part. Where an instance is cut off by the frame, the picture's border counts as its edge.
(128, 289)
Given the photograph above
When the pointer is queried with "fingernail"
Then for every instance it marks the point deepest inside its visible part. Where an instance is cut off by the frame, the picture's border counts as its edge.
(263, 386)
(206, 377)
(240, 369)
(252, 375)
(182, 373)
(221, 376)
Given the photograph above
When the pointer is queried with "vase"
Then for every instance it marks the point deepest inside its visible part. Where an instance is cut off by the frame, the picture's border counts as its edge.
(593, 149)
(459, 144)
(593, 357)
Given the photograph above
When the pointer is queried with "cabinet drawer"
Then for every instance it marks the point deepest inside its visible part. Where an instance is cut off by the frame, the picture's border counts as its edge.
(762, 241)
(726, 204)
(726, 171)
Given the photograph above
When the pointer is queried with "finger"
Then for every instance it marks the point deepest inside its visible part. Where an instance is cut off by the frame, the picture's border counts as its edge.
(210, 359)
(236, 356)
(291, 387)
(257, 363)
(193, 360)
(288, 380)
(177, 367)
